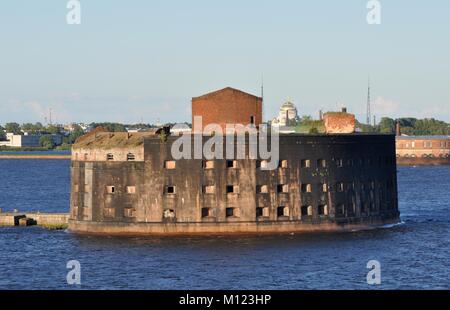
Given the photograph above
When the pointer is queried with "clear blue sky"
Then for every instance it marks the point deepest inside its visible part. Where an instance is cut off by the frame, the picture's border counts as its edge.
(133, 60)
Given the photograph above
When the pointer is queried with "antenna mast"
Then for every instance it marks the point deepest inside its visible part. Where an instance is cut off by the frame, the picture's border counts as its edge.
(369, 112)
(262, 97)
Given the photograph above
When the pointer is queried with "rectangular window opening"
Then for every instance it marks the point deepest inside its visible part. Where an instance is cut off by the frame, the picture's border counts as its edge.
(306, 188)
(210, 189)
(306, 163)
(208, 164)
(283, 188)
(129, 212)
(263, 164)
(340, 209)
(323, 210)
(262, 212)
(232, 189)
(206, 212)
(171, 190)
(262, 189)
(109, 212)
(170, 164)
(283, 164)
(306, 211)
(169, 214)
(321, 163)
(282, 211)
(232, 212)
(232, 164)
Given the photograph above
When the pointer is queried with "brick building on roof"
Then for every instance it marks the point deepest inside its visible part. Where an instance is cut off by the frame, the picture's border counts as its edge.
(228, 106)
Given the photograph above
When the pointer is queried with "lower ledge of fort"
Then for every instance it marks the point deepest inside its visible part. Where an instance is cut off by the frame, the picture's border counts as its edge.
(233, 228)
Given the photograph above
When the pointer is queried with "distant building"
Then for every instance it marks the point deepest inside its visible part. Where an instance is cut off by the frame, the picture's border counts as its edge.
(339, 122)
(180, 129)
(423, 150)
(27, 140)
(288, 113)
(85, 127)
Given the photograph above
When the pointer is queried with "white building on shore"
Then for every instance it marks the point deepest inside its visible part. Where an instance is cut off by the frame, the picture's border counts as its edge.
(27, 140)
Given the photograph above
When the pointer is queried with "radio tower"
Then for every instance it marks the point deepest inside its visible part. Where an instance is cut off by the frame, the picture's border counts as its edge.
(262, 98)
(369, 112)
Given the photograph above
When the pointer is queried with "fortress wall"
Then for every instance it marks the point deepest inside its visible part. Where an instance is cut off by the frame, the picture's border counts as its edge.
(101, 154)
(357, 181)
(112, 190)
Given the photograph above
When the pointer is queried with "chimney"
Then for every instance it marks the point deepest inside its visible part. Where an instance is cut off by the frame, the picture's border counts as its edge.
(320, 115)
(344, 110)
(398, 129)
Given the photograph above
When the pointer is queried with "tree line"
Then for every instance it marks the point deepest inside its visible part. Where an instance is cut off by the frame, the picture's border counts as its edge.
(409, 126)
(45, 140)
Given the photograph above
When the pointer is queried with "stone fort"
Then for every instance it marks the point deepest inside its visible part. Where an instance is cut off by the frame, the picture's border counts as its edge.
(129, 183)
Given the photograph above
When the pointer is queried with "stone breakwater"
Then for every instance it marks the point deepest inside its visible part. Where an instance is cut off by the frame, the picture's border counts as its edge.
(46, 220)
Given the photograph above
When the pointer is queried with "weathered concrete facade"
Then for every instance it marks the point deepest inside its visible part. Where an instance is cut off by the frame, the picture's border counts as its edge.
(323, 183)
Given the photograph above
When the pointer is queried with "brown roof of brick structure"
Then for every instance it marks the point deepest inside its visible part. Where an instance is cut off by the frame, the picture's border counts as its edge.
(222, 90)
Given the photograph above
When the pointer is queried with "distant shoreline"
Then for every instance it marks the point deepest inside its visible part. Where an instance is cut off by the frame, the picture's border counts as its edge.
(33, 156)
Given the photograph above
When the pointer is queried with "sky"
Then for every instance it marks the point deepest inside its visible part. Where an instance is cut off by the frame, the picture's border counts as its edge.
(143, 60)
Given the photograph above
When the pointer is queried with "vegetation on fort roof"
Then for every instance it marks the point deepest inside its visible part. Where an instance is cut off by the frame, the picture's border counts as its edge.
(163, 136)
(106, 140)
(307, 124)
(111, 127)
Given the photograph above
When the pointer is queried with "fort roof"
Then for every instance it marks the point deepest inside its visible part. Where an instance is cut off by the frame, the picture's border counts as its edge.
(107, 140)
